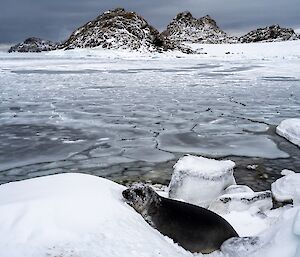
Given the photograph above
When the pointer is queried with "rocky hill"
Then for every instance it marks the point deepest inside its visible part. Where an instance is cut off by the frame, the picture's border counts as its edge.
(34, 45)
(185, 28)
(118, 29)
(269, 34)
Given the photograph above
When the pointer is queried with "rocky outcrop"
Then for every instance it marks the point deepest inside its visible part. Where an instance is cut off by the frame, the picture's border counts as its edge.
(34, 45)
(118, 29)
(272, 33)
(185, 28)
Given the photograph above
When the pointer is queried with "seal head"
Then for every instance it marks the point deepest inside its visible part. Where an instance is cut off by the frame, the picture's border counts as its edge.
(143, 199)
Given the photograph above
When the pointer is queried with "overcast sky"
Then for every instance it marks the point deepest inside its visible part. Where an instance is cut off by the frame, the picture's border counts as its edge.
(56, 19)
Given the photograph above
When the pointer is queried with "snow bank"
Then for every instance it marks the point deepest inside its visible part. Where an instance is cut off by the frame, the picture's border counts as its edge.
(199, 180)
(287, 188)
(287, 49)
(75, 215)
(290, 129)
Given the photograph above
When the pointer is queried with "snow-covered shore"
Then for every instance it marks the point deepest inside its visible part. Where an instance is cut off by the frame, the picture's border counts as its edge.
(82, 215)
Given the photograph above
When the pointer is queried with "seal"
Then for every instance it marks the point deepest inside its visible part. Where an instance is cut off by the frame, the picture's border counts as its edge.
(194, 228)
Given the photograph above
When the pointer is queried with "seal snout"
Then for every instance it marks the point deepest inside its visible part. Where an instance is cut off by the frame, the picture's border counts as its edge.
(127, 195)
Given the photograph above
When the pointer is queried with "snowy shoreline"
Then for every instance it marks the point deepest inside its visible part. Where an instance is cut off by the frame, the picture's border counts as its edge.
(83, 215)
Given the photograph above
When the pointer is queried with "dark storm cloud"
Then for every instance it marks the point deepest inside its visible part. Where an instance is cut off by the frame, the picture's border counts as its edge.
(56, 19)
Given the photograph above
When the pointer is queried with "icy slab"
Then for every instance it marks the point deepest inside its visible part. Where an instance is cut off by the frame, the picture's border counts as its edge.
(75, 215)
(243, 201)
(221, 145)
(148, 155)
(287, 188)
(290, 129)
(200, 180)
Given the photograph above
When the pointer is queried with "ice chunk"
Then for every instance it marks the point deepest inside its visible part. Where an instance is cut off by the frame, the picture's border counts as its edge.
(290, 129)
(235, 189)
(287, 187)
(241, 246)
(200, 180)
(242, 201)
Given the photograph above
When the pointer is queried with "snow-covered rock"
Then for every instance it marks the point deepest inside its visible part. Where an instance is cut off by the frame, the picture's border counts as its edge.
(290, 129)
(75, 215)
(185, 28)
(200, 180)
(34, 45)
(272, 33)
(118, 29)
(242, 201)
(287, 188)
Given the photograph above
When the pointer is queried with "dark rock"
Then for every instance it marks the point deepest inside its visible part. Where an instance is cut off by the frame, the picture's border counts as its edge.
(34, 45)
(272, 33)
(185, 28)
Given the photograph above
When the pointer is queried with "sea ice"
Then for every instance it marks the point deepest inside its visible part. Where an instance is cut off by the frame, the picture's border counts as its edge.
(290, 129)
(148, 154)
(242, 201)
(287, 188)
(220, 145)
(200, 180)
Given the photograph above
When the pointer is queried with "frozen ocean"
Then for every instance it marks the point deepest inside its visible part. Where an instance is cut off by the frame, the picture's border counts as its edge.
(129, 116)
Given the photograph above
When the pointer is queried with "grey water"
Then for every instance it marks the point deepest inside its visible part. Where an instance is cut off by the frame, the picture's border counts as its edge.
(131, 120)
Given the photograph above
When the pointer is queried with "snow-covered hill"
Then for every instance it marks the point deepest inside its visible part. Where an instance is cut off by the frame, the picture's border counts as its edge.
(185, 28)
(116, 29)
(272, 33)
(33, 44)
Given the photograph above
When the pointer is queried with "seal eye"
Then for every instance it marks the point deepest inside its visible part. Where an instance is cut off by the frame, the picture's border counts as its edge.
(140, 193)
(126, 194)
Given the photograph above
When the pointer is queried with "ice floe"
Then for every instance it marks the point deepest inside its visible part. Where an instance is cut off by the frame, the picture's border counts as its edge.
(287, 188)
(290, 129)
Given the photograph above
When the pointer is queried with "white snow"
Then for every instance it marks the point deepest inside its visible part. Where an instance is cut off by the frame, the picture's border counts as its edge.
(290, 129)
(82, 215)
(288, 49)
(200, 180)
(75, 215)
(287, 188)
(278, 240)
